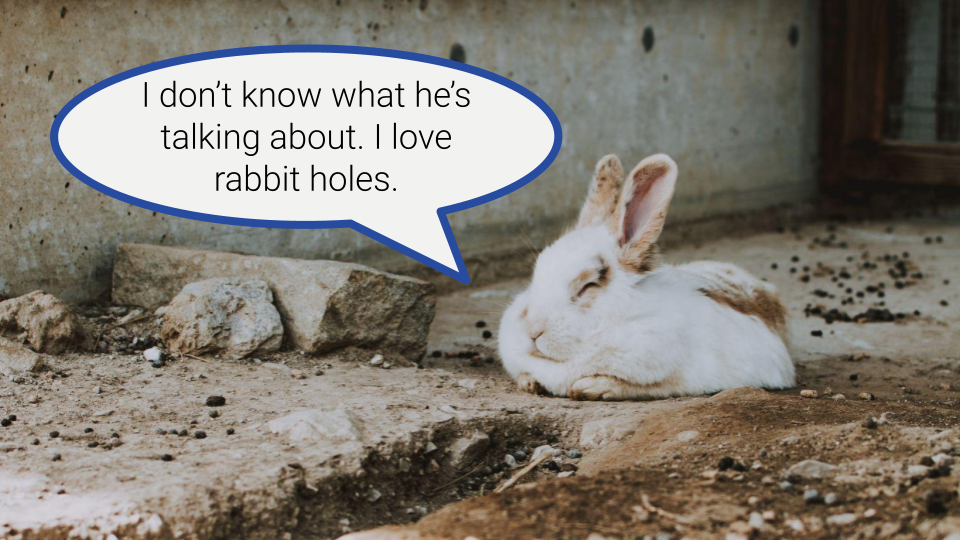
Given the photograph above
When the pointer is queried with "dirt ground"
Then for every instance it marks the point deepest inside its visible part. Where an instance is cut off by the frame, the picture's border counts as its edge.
(420, 448)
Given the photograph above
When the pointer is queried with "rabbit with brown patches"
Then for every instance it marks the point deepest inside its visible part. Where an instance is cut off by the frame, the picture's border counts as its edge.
(605, 318)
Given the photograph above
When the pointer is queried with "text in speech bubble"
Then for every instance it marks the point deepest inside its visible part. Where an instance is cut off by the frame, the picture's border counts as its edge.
(311, 136)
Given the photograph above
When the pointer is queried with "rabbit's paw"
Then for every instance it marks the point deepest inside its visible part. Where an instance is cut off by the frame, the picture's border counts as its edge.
(599, 387)
(527, 383)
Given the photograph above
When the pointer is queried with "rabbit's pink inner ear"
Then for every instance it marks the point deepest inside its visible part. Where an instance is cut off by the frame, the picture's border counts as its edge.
(646, 198)
(602, 206)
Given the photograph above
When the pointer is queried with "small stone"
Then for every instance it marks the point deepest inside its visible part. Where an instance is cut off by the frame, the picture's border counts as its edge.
(839, 397)
(97, 390)
(297, 374)
(377, 360)
(510, 460)
(200, 434)
(841, 519)
(88, 430)
(230, 431)
(214, 413)
(756, 521)
(166, 457)
(831, 499)
(54, 434)
(869, 422)
(725, 463)
(5, 422)
(161, 431)
(56, 457)
(35, 442)
(812, 496)
(786, 486)
(867, 396)
(216, 401)
(487, 334)
(93, 444)
(574, 454)
(153, 354)
(869, 513)
(809, 393)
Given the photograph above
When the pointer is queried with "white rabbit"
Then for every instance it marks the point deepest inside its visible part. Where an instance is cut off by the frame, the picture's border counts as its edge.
(604, 318)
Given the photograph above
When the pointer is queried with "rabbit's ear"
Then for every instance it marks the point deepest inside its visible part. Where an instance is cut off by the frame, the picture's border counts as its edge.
(603, 203)
(644, 203)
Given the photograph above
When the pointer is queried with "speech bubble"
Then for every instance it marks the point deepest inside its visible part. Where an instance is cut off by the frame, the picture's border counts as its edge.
(384, 142)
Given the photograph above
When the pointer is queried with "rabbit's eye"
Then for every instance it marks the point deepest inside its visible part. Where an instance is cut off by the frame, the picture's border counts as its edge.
(587, 287)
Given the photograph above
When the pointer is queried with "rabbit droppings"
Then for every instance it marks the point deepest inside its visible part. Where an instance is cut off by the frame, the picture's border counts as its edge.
(605, 318)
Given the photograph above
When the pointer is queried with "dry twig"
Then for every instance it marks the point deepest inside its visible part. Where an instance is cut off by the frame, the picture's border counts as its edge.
(523, 472)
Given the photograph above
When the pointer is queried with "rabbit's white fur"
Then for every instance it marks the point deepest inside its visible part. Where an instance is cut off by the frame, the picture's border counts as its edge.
(602, 319)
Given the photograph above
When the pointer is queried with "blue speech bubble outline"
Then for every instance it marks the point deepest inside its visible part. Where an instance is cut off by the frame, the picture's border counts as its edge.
(460, 274)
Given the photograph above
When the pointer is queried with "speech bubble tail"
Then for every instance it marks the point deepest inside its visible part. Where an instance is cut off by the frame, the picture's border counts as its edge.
(423, 236)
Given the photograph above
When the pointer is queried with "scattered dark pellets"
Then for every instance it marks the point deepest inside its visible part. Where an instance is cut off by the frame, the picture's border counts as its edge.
(166, 457)
(115, 435)
(552, 466)
(184, 433)
(481, 324)
(88, 430)
(5, 422)
(12, 418)
(93, 444)
(928, 240)
(216, 401)
(35, 442)
(944, 303)
(805, 278)
(230, 431)
(488, 359)
(158, 364)
(870, 422)
(795, 258)
(214, 414)
(725, 463)
(916, 313)
(487, 334)
(161, 431)
(774, 266)
(816, 333)
(56, 457)
(200, 434)
(436, 354)
(939, 239)
(54, 434)
(854, 376)
(193, 422)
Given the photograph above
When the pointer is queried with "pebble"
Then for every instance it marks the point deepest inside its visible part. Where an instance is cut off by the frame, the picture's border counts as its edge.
(88, 430)
(153, 354)
(57, 457)
(831, 499)
(786, 486)
(869, 513)
(5, 422)
(756, 520)
(839, 397)
(841, 519)
(574, 454)
(481, 324)
(214, 413)
(97, 390)
(809, 393)
(867, 396)
(35, 442)
(487, 334)
(812, 496)
(54, 434)
(230, 431)
(297, 374)
(725, 463)
(377, 360)
(510, 460)
(870, 422)
(216, 401)
(166, 457)
(200, 434)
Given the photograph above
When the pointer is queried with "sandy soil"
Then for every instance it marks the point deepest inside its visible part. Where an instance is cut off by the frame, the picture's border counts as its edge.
(646, 468)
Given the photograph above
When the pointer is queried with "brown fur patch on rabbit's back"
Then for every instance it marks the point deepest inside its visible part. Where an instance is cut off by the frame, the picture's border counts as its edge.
(733, 287)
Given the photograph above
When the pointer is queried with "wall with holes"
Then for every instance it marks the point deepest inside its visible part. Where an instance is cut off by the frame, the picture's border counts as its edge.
(728, 88)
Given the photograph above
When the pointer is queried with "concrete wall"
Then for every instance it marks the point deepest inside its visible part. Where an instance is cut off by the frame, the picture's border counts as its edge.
(728, 89)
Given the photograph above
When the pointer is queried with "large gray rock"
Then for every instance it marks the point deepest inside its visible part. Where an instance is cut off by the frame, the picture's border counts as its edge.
(230, 317)
(325, 305)
(41, 321)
